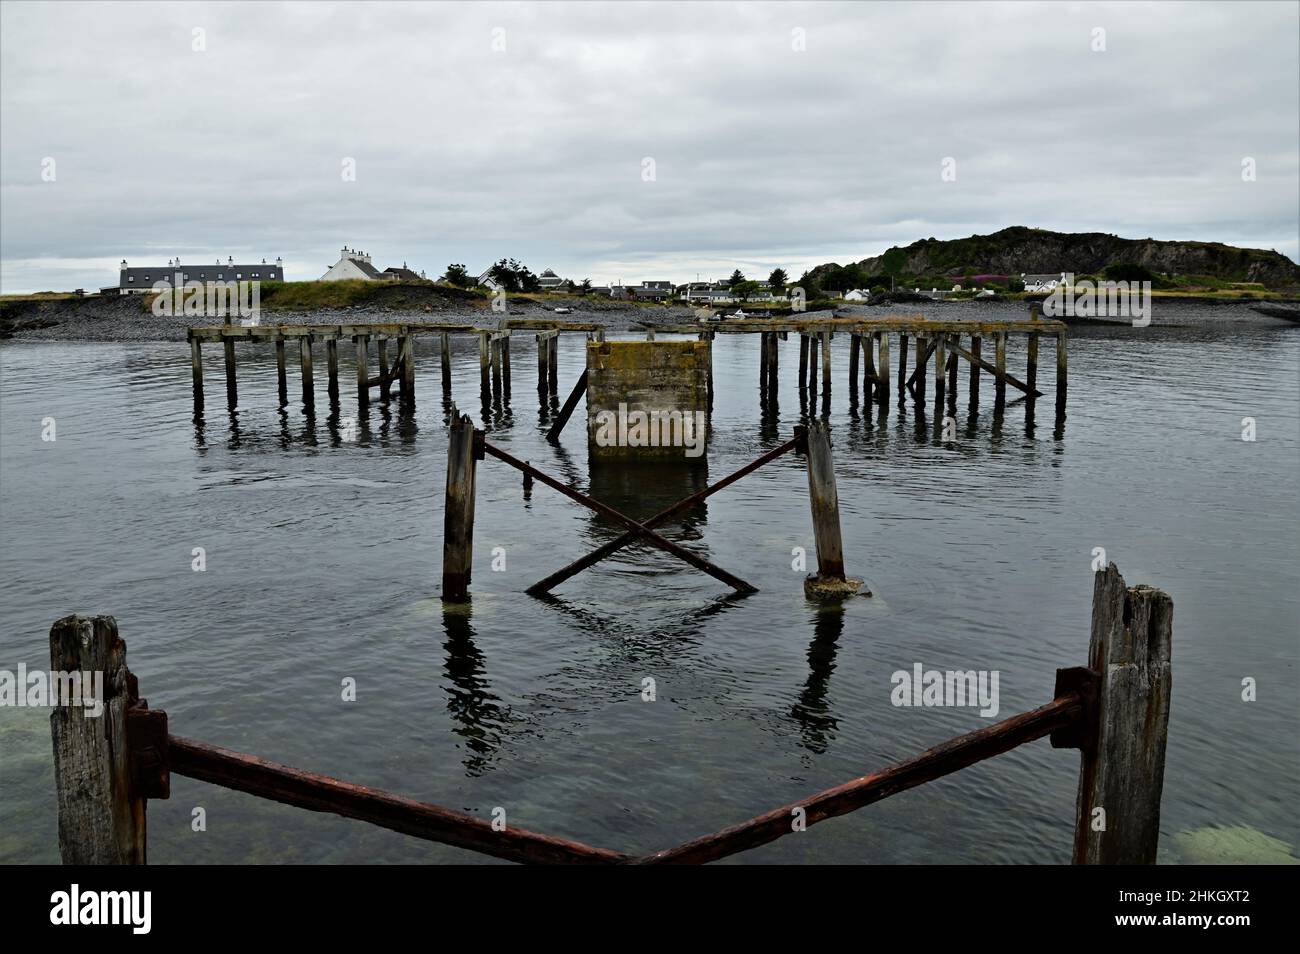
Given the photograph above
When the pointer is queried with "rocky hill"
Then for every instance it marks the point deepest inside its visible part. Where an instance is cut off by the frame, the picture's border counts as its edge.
(1035, 251)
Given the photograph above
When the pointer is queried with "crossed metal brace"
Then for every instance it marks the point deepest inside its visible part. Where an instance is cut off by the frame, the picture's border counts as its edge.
(644, 531)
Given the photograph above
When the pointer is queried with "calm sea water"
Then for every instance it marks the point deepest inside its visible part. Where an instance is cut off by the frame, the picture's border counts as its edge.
(323, 561)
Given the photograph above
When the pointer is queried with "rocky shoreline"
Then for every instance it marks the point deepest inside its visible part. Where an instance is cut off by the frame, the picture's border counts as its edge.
(124, 319)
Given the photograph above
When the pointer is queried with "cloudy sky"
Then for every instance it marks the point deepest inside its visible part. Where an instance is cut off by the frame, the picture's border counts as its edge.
(623, 141)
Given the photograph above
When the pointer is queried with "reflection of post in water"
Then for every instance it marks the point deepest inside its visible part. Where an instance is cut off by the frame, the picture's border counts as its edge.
(817, 724)
(642, 489)
(199, 426)
(476, 713)
(236, 438)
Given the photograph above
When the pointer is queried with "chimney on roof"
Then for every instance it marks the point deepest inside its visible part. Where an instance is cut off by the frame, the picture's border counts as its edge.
(230, 261)
(124, 263)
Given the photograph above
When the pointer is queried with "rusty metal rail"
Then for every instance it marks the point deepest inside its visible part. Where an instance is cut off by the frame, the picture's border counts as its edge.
(639, 530)
(799, 442)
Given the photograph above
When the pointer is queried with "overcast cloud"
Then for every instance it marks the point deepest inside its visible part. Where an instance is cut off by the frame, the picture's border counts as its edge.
(764, 155)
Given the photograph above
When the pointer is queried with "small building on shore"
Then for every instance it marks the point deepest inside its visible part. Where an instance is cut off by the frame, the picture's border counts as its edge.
(140, 279)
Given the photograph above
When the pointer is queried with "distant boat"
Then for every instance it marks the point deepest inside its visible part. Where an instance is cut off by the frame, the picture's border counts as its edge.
(563, 311)
(739, 315)
(1278, 311)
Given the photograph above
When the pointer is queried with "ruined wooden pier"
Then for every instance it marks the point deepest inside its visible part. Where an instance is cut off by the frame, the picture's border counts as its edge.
(493, 354)
(870, 352)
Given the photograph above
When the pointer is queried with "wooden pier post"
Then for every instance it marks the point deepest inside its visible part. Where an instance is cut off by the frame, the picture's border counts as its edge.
(773, 363)
(553, 362)
(505, 360)
(446, 362)
(803, 360)
(1000, 362)
(813, 343)
(870, 387)
(1060, 374)
(385, 377)
(308, 382)
(922, 363)
(1031, 371)
(826, 364)
(952, 370)
(332, 364)
(101, 811)
(463, 452)
(543, 361)
(1122, 766)
(363, 371)
(232, 390)
(650, 333)
(484, 359)
(830, 581)
(494, 356)
(940, 369)
(281, 375)
(855, 342)
(902, 364)
(882, 390)
(975, 344)
(196, 369)
(408, 370)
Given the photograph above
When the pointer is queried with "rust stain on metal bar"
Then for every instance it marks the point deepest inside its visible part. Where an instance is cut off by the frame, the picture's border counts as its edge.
(595, 556)
(247, 773)
(943, 759)
(605, 510)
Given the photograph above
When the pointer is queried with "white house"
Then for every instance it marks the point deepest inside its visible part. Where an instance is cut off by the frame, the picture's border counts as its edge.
(858, 294)
(1036, 283)
(353, 264)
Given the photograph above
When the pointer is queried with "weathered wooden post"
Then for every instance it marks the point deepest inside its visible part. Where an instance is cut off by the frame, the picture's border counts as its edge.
(1122, 766)
(332, 365)
(553, 362)
(464, 450)
(484, 359)
(505, 359)
(940, 369)
(1060, 374)
(882, 389)
(196, 369)
(870, 387)
(830, 581)
(1031, 372)
(975, 344)
(308, 382)
(385, 378)
(955, 341)
(1000, 362)
(803, 360)
(826, 364)
(101, 776)
(922, 364)
(902, 364)
(650, 333)
(363, 371)
(408, 371)
(494, 356)
(543, 362)
(855, 342)
(812, 365)
(446, 363)
(281, 377)
(773, 369)
(232, 390)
